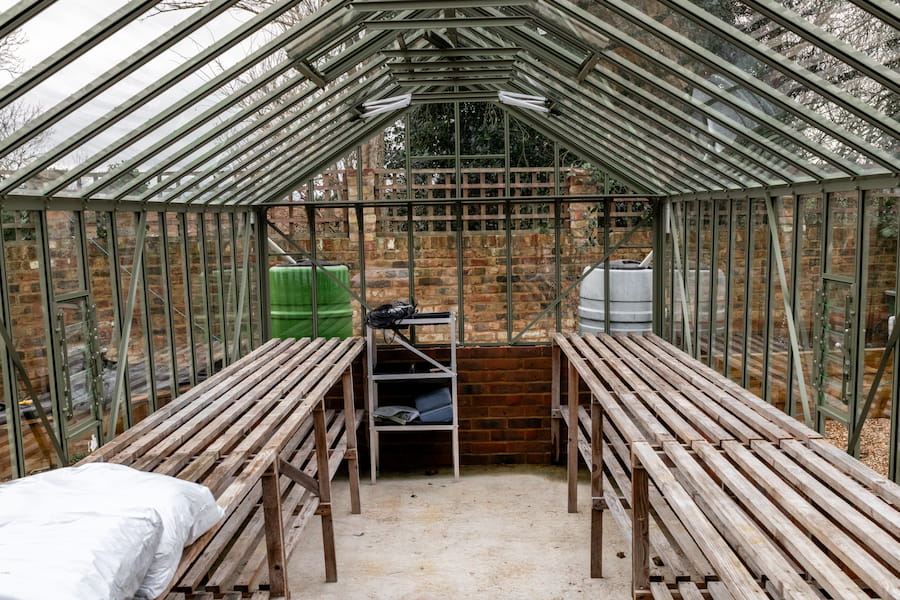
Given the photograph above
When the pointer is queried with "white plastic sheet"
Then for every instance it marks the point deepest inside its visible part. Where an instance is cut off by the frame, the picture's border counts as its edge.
(185, 510)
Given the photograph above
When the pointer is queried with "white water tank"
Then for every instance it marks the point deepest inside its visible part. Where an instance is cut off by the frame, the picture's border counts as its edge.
(630, 298)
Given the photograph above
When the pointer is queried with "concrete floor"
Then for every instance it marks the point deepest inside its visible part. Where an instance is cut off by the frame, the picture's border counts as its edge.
(498, 533)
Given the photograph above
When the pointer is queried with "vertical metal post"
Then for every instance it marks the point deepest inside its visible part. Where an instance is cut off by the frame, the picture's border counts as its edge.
(793, 363)
(787, 297)
(262, 272)
(824, 237)
(557, 257)
(607, 216)
(770, 292)
(659, 261)
(122, 355)
(149, 350)
(411, 259)
(361, 257)
(713, 323)
(894, 447)
(729, 291)
(167, 303)
(682, 288)
(314, 273)
(48, 305)
(188, 295)
(10, 388)
(748, 289)
(460, 265)
(218, 280)
(409, 173)
(863, 226)
(698, 215)
(204, 272)
(507, 173)
(557, 222)
(507, 225)
(245, 280)
(232, 280)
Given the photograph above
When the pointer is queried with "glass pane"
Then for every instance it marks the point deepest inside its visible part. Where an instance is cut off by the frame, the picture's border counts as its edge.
(843, 215)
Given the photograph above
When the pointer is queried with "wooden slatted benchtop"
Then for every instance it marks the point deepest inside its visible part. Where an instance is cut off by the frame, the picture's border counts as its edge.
(258, 435)
(722, 495)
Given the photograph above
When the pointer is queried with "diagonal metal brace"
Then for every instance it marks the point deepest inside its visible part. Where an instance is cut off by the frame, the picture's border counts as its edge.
(26, 381)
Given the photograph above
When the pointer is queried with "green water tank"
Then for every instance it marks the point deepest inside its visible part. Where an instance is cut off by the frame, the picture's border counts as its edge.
(291, 304)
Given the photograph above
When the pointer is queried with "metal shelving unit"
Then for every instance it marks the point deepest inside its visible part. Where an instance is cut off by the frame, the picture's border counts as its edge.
(435, 370)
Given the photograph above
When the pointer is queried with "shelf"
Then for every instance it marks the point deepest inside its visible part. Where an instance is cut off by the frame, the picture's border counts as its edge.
(419, 427)
(426, 367)
(407, 376)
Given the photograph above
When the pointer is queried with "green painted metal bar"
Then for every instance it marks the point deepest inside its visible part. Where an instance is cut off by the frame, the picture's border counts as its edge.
(233, 291)
(390, 5)
(71, 51)
(112, 76)
(796, 227)
(398, 66)
(894, 444)
(748, 288)
(53, 336)
(147, 341)
(8, 357)
(679, 279)
(188, 295)
(456, 23)
(218, 283)
(819, 37)
(200, 219)
(507, 234)
(640, 180)
(451, 81)
(263, 124)
(453, 52)
(607, 215)
(321, 158)
(275, 137)
(676, 70)
(262, 273)
(309, 28)
(552, 78)
(698, 212)
(245, 281)
(451, 76)
(729, 289)
(659, 261)
(574, 284)
(118, 393)
(713, 281)
(861, 288)
(786, 103)
(21, 13)
(167, 304)
(769, 282)
(644, 138)
(115, 284)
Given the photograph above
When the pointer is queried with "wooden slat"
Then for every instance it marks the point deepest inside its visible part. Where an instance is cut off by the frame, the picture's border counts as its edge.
(797, 506)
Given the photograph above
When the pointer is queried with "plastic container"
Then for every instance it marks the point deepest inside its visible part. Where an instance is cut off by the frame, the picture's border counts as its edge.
(291, 305)
(630, 298)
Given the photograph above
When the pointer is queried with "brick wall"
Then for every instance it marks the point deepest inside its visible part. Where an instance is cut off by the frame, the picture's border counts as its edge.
(504, 412)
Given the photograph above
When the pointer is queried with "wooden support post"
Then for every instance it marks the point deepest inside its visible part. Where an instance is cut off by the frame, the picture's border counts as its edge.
(572, 448)
(274, 531)
(597, 501)
(351, 454)
(555, 417)
(321, 433)
(640, 530)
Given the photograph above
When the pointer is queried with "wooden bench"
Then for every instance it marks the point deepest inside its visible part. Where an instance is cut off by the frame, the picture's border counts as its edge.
(722, 495)
(259, 436)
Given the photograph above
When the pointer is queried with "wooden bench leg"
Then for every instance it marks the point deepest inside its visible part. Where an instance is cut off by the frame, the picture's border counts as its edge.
(351, 454)
(274, 531)
(321, 433)
(572, 448)
(640, 530)
(597, 501)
